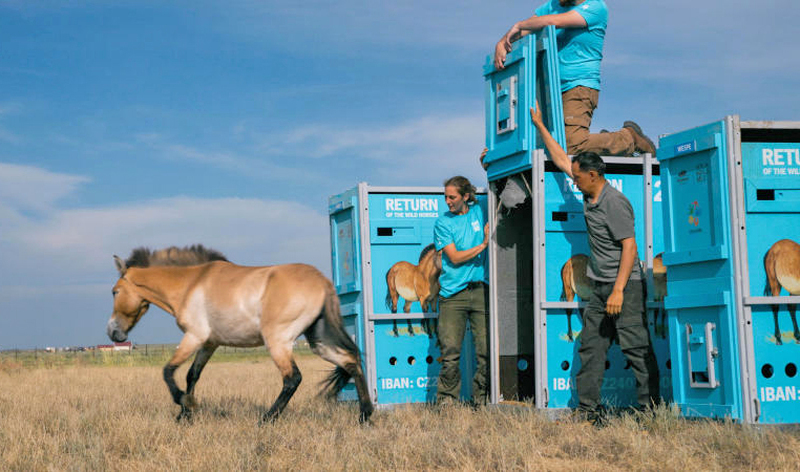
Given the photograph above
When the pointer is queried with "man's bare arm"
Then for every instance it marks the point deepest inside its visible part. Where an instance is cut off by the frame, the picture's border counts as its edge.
(557, 153)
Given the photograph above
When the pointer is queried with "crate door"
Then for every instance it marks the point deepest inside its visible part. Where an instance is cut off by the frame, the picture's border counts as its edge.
(698, 255)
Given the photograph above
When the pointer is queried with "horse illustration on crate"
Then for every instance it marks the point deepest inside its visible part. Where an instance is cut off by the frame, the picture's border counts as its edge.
(782, 264)
(659, 292)
(575, 281)
(415, 283)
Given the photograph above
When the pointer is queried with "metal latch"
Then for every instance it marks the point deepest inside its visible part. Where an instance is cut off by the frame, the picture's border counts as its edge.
(702, 378)
(506, 124)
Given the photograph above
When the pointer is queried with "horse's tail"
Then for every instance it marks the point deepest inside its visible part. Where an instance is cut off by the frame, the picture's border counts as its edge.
(333, 318)
(567, 291)
(769, 269)
(338, 338)
(388, 299)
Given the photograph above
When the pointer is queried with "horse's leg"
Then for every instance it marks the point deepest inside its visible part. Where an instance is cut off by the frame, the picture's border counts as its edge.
(656, 326)
(188, 346)
(427, 323)
(333, 344)
(793, 313)
(407, 310)
(773, 288)
(282, 356)
(193, 375)
(775, 309)
(569, 324)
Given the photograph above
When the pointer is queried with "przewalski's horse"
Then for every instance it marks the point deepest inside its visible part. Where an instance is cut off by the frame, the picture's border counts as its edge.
(415, 283)
(782, 264)
(659, 292)
(574, 281)
(217, 303)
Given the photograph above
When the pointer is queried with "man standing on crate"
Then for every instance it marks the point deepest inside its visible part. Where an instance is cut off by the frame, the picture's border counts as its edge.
(616, 309)
(581, 32)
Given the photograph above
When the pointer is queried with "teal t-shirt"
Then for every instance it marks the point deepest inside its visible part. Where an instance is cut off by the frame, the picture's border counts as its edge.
(580, 50)
(465, 231)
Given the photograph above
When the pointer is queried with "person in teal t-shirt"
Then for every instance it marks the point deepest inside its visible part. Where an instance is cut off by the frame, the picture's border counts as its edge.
(462, 235)
(581, 32)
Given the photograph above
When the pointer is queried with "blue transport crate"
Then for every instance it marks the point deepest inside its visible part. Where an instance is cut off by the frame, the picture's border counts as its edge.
(530, 74)
(373, 228)
(732, 212)
(535, 328)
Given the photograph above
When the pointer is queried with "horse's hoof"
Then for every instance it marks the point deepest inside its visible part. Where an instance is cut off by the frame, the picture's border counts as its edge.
(184, 416)
(188, 401)
(778, 340)
(268, 418)
(363, 418)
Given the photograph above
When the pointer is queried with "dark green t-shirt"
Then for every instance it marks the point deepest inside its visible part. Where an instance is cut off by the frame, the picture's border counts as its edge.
(608, 222)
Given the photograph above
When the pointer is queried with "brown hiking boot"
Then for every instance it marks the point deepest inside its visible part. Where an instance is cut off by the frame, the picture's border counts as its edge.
(641, 142)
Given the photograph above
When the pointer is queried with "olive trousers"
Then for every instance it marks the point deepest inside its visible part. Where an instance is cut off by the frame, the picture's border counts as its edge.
(470, 304)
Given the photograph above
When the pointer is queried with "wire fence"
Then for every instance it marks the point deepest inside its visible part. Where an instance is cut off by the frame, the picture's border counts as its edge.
(137, 354)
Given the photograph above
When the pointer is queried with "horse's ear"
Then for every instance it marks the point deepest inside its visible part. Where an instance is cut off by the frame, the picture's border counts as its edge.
(120, 265)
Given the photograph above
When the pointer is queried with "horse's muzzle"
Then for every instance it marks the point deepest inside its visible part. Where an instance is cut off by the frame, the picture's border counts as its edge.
(116, 334)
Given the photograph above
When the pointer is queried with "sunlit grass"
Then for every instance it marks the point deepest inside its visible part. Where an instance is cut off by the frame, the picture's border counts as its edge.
(93, 417)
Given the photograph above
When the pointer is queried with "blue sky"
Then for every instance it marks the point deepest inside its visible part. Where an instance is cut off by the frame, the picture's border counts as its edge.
(133, 123)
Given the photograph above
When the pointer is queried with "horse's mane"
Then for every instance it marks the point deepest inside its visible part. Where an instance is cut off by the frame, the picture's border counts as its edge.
(173, 256)
(430, 247)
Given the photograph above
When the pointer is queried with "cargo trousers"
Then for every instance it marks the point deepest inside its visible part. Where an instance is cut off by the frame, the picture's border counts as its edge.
(579, 104)
(454, 312)
(630, 328)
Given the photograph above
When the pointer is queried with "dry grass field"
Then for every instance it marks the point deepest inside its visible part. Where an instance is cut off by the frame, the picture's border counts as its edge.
(88, 417)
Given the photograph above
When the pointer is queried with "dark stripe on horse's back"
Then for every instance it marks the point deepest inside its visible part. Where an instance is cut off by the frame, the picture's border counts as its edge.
(174, 256)
(430, 247)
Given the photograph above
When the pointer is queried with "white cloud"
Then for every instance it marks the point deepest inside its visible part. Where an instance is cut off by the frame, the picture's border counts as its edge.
(249, 231)
(229, 161)
(27, 188)
(57, 266)
(425, 150)
(78, 242)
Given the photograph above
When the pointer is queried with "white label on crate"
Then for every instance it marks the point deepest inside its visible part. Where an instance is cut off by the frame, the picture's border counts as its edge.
(569, 185)
(777, 161)
(779, 394)
(395, 383)
(403, 205)
(562, 383)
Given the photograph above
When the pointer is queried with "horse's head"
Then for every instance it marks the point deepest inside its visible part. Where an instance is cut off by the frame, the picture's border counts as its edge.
(129, 306)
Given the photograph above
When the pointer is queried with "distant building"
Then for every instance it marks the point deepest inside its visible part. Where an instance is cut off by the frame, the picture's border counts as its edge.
(126, 346)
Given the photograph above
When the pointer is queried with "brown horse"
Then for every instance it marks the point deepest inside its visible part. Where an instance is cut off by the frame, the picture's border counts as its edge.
(415, 283)
(217, 303)
(574, 281)
(782, 264)
(659, 292)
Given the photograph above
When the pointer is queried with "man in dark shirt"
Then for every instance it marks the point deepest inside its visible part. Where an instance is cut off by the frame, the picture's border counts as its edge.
(616, 308)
